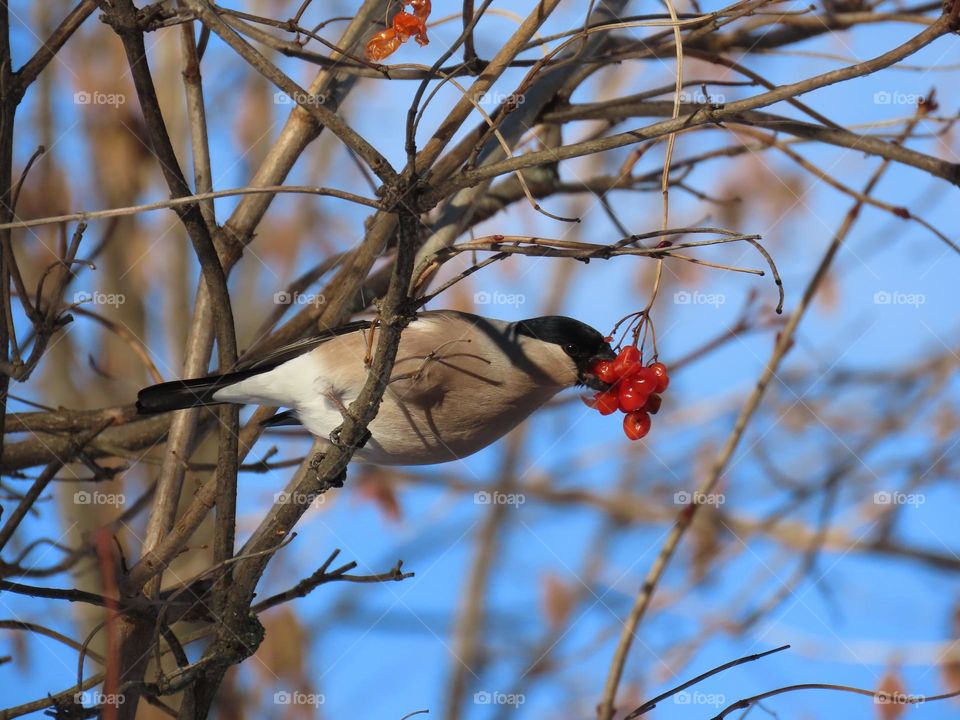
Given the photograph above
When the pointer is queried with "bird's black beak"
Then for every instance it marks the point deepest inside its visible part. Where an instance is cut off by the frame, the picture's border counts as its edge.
(586, 375)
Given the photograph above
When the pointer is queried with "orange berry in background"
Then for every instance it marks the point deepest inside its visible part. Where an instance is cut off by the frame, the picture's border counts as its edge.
(421, 8)
(383, 44)
(406, 24)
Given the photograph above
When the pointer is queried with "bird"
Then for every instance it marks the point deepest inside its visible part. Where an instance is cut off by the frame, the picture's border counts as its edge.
(459, 382)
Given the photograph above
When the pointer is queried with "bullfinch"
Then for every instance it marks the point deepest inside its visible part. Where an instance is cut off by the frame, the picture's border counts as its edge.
(459, 382)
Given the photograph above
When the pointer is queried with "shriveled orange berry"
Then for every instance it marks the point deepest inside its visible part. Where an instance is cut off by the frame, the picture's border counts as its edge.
(406, 24)
(383, 44)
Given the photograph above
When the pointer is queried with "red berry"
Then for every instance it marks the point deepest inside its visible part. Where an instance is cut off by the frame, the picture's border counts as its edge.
(634, 394)
(636, 424)
(589, 401)
(631, 370)
(626, 360)
(645, 381)
(604, 369)
(653, 404)
(607, 402)
(663, 379)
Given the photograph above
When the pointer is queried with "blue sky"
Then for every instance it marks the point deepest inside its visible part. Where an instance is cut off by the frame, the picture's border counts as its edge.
(386, 650)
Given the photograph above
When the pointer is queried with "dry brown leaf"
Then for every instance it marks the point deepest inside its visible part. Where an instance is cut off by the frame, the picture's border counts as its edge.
(705, 534)
(828, 297)
(284, 646)
(891, 706)
(377, 485)
(558, 600)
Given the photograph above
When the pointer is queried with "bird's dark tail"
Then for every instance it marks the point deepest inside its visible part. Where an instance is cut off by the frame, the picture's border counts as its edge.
(182, 394)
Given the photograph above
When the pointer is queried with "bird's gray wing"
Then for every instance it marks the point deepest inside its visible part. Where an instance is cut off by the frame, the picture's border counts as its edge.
(299, 347)
(305, 345)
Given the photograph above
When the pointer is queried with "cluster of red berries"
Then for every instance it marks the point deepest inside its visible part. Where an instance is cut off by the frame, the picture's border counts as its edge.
(635, 390)
(404, 26)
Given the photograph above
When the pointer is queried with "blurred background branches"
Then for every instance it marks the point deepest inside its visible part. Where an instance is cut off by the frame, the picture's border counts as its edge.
(185, 183)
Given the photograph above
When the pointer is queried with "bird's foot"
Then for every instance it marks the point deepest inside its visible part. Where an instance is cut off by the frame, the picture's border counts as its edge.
(336, 439)
(335, 482)
(339, 480)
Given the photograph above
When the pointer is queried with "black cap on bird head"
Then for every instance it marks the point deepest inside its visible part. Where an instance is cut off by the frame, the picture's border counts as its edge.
(582, 343)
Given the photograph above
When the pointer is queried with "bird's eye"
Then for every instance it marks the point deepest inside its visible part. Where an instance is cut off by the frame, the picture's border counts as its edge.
(570, 348)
